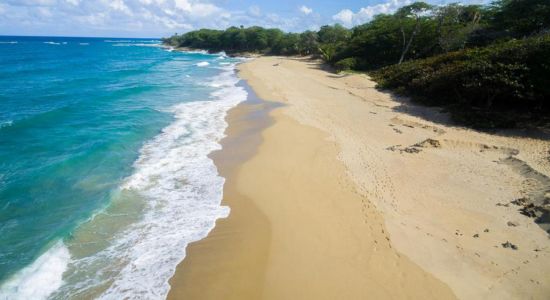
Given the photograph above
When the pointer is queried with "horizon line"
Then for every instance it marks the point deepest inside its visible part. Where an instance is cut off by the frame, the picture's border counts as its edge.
(77, 36)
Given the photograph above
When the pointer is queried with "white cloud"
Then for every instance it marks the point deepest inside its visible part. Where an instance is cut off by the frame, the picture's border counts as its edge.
(119, 5)
(345, 16)
(96, 20)
(45, 12)
(255, 11)
(31, 2)
(140, 17)
(197, 9)
(306, 10)
(110, 17)
(204, 10)
(183, 5)
(348, 18)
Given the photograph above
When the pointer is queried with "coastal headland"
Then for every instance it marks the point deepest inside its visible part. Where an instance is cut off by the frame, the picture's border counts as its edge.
(340, 191)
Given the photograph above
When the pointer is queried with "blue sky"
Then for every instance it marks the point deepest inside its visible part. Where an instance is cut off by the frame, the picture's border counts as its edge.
(157, 18)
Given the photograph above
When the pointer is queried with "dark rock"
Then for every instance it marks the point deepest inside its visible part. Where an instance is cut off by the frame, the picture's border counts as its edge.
(532, 211)
(411, 150)
(512, 224)
(429, 143)
(509, 245)
(393, 148)
(520, 201)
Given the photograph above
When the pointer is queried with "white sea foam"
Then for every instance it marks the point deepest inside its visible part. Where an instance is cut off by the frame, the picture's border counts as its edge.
(203, 64)
(196, 51)
(137, 45)
(183, 193)
(40, 279)
(149, 45)
(226, 78)
(6, 123)
(9, 42)
(52, 43)
(83, 44)
(131, 41)
(169, 48)
(118, 41)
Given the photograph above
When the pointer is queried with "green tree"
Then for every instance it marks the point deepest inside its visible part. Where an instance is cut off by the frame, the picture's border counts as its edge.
(522, 17)
(256, 38)
(308, 43)
(327, 52)
(455, 23)
(375, 44)
(274, 36)
(333, 34)
(405, 13)
(289, 44)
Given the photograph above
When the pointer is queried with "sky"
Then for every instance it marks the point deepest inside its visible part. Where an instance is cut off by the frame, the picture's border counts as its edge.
(160, 18)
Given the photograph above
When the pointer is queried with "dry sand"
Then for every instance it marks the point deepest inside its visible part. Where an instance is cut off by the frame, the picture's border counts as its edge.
(354, 194)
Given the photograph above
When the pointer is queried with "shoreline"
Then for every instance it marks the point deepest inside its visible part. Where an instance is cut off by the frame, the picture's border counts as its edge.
(246, 256)
(245, 227)
(230, 54)
(333, 203)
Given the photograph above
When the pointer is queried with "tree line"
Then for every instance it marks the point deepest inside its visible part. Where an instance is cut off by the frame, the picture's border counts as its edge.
(470, 44)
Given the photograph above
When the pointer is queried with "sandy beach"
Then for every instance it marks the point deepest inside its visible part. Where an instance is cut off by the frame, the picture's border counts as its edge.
(340, 191)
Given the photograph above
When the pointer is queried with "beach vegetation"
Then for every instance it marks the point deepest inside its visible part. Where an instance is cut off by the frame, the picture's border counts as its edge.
(506, 84)
(346, 64)
(489, 64)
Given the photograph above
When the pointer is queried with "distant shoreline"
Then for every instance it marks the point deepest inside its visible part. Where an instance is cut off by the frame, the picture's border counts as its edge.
(230, 54)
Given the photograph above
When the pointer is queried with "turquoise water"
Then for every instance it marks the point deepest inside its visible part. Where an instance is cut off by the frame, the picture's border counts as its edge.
(104, 174)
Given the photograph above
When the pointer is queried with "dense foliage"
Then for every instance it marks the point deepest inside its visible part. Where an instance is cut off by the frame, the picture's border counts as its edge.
(502, 85)
(488, 61)
(252, 39)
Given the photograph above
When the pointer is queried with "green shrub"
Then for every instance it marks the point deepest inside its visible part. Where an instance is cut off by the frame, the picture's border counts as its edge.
(346, 64)
(502, 85)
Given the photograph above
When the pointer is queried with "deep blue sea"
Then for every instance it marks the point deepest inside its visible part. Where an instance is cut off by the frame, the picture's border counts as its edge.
(104, 173)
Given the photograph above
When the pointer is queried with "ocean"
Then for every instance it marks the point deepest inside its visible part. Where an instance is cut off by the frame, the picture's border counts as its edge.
(104, 169)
